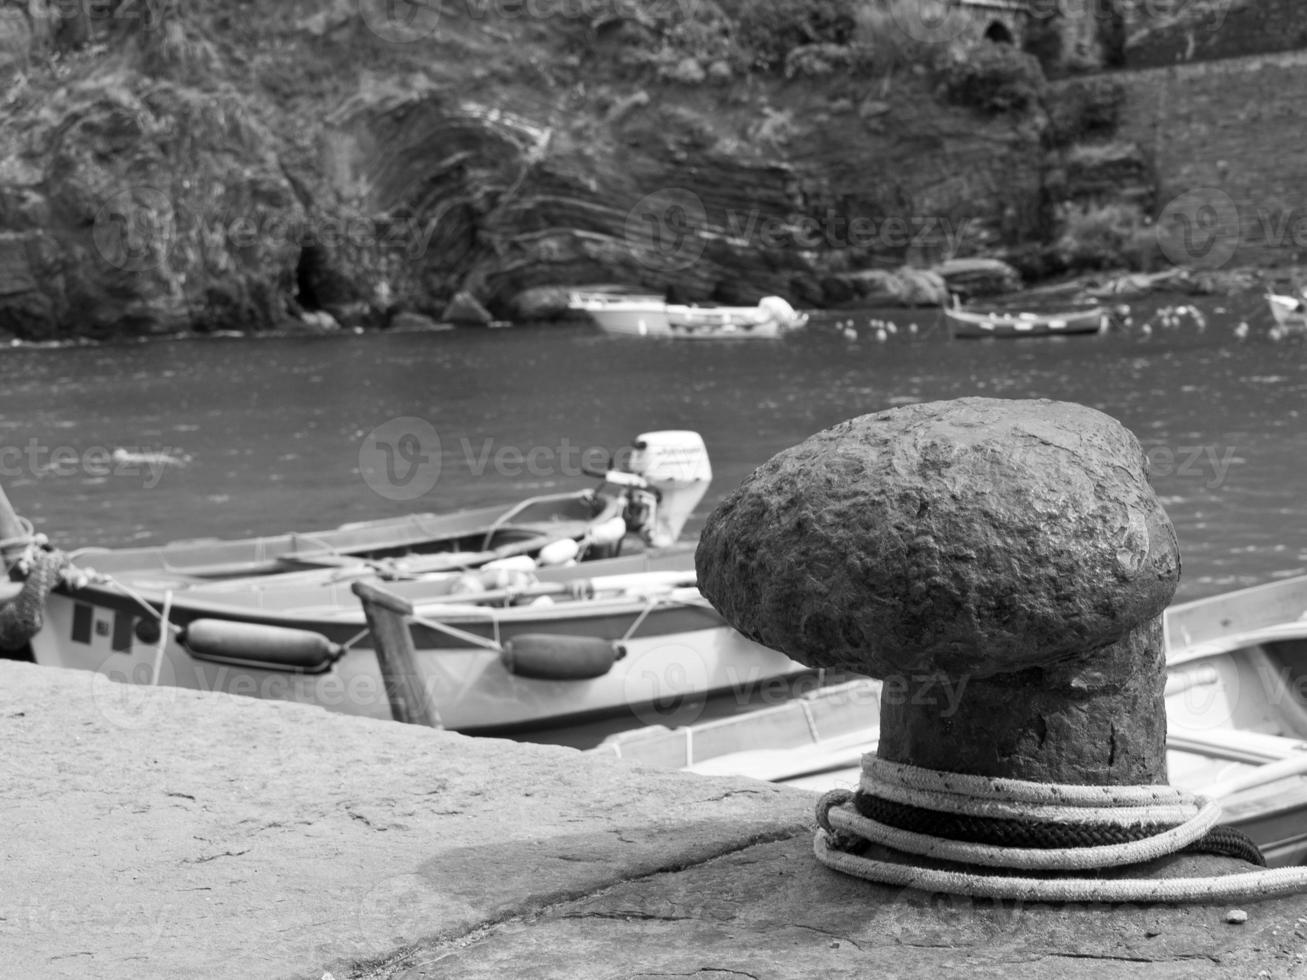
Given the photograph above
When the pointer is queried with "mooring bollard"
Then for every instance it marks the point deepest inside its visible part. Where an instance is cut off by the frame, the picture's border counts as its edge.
(1002, 566)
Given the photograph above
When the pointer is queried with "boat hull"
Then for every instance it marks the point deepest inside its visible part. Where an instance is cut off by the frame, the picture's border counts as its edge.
(1289, 312)
(726, 323)
(459, 539)
(972, 325)
(651, 317)
(630, 316)
(676, 651)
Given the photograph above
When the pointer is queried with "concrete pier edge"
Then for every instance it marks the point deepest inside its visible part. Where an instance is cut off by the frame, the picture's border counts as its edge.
(161, 832)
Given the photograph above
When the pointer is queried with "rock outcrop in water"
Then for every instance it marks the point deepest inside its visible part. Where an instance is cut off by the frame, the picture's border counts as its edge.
(234, 165)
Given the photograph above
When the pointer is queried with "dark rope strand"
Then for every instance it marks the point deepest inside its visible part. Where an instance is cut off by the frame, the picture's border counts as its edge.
(999, 831)
(1227, 841)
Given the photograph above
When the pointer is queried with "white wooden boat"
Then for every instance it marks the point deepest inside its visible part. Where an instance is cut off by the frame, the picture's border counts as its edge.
(1289, 312)
(624, 314)
(771, 319)
(514, 652)
(650, 316)
(510, 645)
(980, 324)
(662, 479)
(1236, 701)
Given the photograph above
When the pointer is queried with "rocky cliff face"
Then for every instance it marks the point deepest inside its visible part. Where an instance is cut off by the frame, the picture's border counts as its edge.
(232, 164)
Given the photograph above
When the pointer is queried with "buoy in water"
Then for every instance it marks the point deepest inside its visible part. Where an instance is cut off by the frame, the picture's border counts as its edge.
(257, 645)
(556, 657)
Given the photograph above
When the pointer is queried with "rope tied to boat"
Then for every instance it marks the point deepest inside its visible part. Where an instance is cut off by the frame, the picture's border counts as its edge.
(1014, 839)
(41, 568)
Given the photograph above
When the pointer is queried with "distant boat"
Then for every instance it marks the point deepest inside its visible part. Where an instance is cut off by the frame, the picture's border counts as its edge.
(771, 319)
(972, 323)
(1290, 312)
(649, 316)
(626, 314)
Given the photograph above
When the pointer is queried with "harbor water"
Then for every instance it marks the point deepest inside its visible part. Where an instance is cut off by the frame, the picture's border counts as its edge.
(266, 435)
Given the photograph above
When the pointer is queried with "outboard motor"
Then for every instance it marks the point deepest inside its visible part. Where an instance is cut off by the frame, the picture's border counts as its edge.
(675, 468)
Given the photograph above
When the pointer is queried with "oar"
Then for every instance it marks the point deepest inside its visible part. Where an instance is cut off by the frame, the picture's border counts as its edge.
(498, 595)
(581, 588)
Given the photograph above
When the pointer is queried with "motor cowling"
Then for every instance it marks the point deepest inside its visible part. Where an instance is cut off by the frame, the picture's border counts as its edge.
(675, 467)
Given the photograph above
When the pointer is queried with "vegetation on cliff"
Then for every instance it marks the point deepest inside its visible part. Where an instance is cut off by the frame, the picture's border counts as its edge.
(229, 164)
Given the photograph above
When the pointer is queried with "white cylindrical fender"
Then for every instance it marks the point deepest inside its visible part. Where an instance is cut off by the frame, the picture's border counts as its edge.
(609, 532)
(557, 552)
(515, 563)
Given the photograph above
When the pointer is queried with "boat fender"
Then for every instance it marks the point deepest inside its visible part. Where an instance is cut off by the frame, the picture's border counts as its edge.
(513, 579)
(258, 645)
(468, 583)
(554, 657)
(517, 563)
(557, 552)
(610, 531)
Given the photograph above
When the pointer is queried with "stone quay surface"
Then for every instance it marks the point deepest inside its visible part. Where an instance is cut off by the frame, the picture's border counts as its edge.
(154, 832)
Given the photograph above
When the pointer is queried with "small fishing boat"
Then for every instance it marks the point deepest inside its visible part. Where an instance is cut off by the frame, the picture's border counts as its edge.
(771, 319)
(1236, 702)
(650, 316)
(523, 642)
(1289, 312)
(624, 314)
(625, 501)
(978, 323)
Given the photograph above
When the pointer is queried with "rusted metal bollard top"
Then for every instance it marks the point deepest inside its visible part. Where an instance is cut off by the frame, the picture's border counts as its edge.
(1002, 565)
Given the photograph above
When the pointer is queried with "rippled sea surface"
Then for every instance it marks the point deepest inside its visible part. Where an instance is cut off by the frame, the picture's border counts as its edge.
(273, 428)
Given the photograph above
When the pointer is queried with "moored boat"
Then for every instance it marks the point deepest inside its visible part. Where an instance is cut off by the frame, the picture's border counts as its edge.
(979, 324)
(650, 316)
(627, 500)
(1236, 702)
(518, 643)
(771, 319)
(1289, 312)
(624, 314)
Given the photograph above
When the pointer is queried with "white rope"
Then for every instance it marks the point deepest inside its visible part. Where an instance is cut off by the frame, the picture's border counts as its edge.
(1122, 816)
(1030, 858)
(1015, 790)
(470, 638)
(1253, 885)
(966, 794)
(164, 617)
(982, 796)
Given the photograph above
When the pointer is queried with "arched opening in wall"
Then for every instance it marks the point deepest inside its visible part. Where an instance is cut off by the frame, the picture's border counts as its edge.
(999, 33)
(311, 272)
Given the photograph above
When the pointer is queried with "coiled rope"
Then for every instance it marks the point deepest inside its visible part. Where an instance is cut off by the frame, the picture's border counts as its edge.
(1013, 835)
